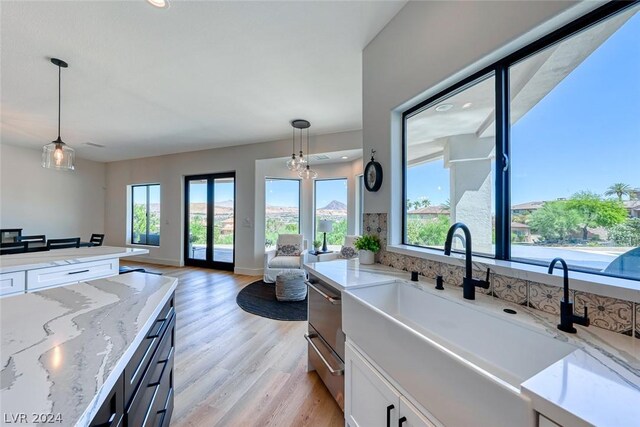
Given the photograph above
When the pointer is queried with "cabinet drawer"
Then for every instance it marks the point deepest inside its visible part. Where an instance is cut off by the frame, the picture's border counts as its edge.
(111, 412)
(71, 273)
(137, 366)
(150, 396)
(12, 283)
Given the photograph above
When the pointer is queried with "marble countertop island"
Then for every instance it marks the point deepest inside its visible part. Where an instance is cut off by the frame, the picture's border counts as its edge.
(598, 384)
(53, 258)
(63, 349)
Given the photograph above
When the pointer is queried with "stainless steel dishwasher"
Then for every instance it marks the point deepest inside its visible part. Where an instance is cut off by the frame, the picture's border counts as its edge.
(325, 338)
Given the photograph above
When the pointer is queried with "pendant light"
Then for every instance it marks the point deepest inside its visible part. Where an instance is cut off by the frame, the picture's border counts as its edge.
(306, 172)
(57, 154)
(297, 163)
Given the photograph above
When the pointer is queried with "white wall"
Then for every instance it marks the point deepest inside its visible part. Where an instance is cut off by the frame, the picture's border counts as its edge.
(45, 201)
(169, 172)
(274, 168)
(427, 47)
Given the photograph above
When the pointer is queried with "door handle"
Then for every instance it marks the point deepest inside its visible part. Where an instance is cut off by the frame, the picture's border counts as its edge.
(402, 421)
(389, 409)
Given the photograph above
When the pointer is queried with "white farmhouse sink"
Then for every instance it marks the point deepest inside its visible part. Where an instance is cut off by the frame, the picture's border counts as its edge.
(462, 364)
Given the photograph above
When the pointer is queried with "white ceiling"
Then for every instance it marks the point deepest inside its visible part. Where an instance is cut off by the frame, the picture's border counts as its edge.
(144, 81)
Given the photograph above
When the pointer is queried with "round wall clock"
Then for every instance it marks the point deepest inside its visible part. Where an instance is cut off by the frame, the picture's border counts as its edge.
(373, 174)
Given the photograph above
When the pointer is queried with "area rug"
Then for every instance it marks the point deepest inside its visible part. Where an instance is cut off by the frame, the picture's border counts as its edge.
(259, 298)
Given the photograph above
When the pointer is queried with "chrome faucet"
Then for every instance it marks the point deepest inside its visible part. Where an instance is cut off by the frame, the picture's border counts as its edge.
(468, 283)
(567, 318)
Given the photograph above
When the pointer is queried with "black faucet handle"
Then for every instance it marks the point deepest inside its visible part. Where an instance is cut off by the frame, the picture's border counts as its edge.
(585, 319)
(488, 273)
(439, 282)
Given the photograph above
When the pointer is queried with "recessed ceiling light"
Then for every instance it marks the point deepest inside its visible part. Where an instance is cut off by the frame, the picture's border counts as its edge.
(467, 105)
(162, 4)
(444, 107)
(344, 157)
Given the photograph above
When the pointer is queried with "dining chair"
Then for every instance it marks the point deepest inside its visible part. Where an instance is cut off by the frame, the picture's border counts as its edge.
(39, 238)
(97, 239)
(13, 248)
(73, 242)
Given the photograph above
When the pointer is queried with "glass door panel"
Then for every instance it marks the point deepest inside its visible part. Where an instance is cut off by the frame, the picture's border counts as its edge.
(197, 219)
(224, 219)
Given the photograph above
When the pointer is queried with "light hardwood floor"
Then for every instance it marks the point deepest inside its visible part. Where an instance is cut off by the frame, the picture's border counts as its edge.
(233, 368)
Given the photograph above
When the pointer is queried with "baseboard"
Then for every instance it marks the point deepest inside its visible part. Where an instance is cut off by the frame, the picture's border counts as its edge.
(159, 261)
(248, 271)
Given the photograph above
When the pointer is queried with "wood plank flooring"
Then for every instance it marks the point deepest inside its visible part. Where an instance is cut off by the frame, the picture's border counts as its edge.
(233, 368)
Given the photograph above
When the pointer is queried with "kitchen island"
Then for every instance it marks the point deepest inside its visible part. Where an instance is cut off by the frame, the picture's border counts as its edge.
(72, 354)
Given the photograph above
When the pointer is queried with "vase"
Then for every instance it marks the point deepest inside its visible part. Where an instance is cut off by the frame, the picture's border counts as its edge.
(367, 257)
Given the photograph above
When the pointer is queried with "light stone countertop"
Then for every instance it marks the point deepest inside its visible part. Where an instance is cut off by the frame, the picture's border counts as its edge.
(598, 384)
(56, 257)
(63, 349)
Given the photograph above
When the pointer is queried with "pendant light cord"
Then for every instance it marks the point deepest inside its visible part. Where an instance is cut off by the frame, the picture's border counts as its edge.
(59, 97)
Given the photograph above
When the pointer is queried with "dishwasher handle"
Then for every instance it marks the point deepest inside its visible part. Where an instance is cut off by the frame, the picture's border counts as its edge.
(332, 300)
(309, 338)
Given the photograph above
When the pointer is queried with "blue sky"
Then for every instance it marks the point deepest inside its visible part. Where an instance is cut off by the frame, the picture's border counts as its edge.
(223, 191)
(330, 190)
(282, 192)
(584, 135)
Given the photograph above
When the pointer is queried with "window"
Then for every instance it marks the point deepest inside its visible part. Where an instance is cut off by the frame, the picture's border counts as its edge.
(450, 150)
(145, 214)
(282, 209)
(331, 204)
(538, 153)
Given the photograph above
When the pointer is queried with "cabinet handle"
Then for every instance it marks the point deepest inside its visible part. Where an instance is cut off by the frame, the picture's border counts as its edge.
(401, 421)
(78, 272)
(336, 372)
(389, 409)
(332, 300)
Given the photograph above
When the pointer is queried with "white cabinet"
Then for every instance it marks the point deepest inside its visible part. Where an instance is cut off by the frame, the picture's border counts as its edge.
(12, 283)
(71, 273)
(371, 401)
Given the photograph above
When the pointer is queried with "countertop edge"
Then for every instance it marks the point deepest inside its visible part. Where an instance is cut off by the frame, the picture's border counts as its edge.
(72, 260)
(115, 373)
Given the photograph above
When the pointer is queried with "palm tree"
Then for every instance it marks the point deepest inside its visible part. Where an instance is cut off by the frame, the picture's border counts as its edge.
(619, 189)
(425, 203)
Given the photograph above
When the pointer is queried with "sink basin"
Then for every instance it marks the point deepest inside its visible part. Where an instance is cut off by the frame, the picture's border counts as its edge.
(463, 364)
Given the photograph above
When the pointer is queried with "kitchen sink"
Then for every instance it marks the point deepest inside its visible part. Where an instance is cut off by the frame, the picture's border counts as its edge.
(463, 364)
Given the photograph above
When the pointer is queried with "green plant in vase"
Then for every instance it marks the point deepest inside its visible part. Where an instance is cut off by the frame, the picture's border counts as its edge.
(368, 245)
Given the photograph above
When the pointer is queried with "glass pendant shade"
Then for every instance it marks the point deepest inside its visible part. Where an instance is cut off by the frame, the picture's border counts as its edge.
(302, 162)
(292, 163)
(307, 173)
(58, 155)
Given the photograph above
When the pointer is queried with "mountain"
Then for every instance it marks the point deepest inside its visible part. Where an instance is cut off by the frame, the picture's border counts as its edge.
(335, 205)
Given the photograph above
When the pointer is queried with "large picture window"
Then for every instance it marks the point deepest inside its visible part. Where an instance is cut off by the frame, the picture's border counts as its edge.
(331, 205)
(558, 121)
(145, 214)
(282, 208)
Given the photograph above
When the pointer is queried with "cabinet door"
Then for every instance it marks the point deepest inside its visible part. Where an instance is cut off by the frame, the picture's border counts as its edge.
(370, 400)
(410, 416)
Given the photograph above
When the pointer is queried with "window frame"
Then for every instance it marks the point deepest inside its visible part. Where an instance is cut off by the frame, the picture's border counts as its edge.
(268, 178)
(500, 70)
(147, 202)
(315, 199)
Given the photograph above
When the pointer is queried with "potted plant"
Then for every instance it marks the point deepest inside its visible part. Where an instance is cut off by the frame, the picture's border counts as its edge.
(368, 246)
(316, 245)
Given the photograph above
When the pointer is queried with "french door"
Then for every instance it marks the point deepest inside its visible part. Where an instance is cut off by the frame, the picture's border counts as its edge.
(209, 231)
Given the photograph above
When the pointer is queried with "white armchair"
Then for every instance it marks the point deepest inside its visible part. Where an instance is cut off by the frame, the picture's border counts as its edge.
(290, 253)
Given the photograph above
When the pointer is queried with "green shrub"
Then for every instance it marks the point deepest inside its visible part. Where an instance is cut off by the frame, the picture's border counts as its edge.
(367, 243)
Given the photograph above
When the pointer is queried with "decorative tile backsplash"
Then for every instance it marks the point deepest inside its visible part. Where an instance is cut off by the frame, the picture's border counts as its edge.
(604, 312)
